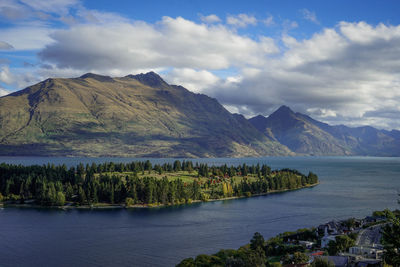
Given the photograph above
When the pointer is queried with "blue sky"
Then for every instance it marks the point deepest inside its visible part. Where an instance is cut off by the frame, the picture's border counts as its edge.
(337, 61)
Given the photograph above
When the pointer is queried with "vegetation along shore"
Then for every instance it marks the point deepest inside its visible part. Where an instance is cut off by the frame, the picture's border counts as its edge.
(140, 184)
(371, 241)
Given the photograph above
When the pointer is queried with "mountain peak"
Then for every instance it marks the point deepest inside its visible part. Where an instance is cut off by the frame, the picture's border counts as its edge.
(284, 109)
(150, 78)
(282, 112)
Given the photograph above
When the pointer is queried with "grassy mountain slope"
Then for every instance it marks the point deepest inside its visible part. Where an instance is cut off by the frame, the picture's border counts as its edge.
(305, 135)
(136, 115)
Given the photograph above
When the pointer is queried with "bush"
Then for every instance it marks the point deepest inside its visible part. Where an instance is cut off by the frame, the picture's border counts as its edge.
(205, 197)
(14, 198)
(321, 262)
(129, 201)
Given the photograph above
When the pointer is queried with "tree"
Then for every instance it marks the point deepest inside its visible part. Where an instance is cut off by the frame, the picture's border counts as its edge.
(177, 166)
(69, 192)
(225, 189)
(342, 244)
(60, 199)
(81, 196)
(299, 257)
(189, 262)
(129, 201)
(257, 241)
(391, 240)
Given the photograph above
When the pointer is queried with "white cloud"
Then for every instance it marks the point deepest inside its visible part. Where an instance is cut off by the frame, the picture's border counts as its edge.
(26, 38)
(6, 76)
(177, 43)
(269, 21)
(241, 20)
(3, 92)
(342, 75)
(194, 80)
(309, 15)
(30, 10)
(210, 18)
(54, 6)
(289, 25)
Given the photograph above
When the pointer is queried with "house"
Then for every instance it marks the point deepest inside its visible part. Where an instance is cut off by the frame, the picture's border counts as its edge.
(307, 244)
(332, 228)
(374, 252)
(316, 253)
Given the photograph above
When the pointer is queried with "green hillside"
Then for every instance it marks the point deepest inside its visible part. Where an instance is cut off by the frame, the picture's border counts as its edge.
(137, 115)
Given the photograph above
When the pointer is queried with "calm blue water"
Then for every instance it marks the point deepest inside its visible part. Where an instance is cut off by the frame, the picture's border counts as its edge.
(353, 186)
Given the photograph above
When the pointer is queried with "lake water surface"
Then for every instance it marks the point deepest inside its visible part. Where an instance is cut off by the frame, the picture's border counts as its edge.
(350, 187)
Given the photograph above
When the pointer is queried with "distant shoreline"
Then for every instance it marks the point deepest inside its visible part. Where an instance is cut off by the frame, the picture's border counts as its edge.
(141, 206)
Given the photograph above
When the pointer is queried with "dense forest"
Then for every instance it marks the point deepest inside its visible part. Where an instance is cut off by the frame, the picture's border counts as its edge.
(141, 183)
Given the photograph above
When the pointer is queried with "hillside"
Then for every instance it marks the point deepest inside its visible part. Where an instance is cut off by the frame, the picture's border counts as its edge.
(136, 115)
(304, 135)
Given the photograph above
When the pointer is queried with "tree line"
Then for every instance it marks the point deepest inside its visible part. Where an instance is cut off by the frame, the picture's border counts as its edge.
(119, 183)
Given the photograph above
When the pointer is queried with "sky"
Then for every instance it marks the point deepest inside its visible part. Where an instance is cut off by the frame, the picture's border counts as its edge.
(337, 61)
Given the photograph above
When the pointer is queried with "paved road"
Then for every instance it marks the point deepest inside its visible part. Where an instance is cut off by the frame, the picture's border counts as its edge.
(369, 236)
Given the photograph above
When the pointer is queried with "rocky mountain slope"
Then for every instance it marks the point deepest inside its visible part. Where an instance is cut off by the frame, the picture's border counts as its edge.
(136, 115)
(304, 135)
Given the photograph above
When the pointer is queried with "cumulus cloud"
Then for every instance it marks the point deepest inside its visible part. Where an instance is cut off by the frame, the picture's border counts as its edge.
(350, 73)
(241, 20)
(194, 80)
(26, 37)
(309, 15)
(172, 42)
(5, 75)
(210, 18)
(3, 92)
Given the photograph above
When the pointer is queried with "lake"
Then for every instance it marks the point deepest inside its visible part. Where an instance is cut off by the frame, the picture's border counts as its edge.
(350, 187)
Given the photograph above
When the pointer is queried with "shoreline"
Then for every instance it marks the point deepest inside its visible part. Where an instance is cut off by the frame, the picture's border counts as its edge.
(142, 206)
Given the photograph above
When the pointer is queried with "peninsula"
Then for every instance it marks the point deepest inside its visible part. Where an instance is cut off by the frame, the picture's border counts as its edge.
(140, 184)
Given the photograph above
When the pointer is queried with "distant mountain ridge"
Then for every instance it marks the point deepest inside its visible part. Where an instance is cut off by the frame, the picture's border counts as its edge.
(136, 115)
(306, 136)
(143, 116)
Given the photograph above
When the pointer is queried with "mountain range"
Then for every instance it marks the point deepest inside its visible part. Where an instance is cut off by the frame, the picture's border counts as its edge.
(143, 116)
(306, 136)
(136, 115)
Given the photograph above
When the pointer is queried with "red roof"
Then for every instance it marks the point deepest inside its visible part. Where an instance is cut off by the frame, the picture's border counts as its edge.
(317, 253)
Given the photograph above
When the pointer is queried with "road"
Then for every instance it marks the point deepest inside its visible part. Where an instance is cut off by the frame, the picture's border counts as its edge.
(369, 236)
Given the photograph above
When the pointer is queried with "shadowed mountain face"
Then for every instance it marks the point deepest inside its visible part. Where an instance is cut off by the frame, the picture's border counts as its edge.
(136, 115)
(304, 135)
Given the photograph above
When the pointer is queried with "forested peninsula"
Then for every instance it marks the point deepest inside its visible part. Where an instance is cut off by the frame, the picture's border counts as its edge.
(140, 184)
